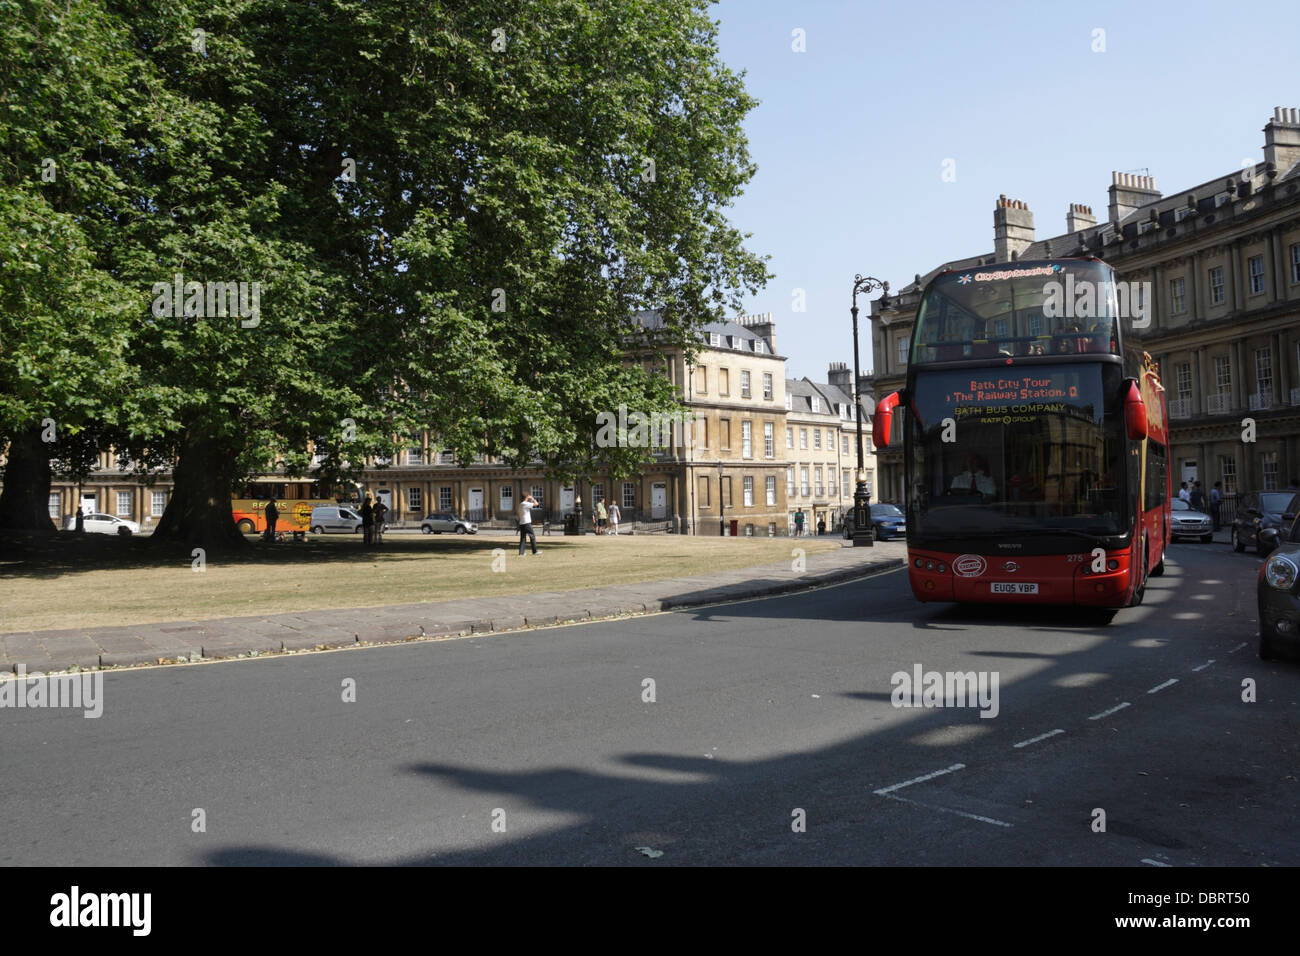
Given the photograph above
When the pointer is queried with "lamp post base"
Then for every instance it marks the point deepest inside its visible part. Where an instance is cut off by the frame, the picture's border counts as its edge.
(863, 531)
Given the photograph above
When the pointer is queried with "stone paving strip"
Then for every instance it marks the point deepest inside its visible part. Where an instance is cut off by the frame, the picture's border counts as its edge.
(173, 641)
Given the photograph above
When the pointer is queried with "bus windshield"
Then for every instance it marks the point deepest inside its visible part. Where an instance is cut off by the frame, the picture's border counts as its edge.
(1013, 309)
(1013, 449)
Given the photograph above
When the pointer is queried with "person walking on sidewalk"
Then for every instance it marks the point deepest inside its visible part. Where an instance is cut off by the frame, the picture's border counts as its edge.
(614, 515)
(526, 523)
(1216, 505)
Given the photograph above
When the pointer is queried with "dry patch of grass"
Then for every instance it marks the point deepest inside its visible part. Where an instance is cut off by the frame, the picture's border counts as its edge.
(67, 581)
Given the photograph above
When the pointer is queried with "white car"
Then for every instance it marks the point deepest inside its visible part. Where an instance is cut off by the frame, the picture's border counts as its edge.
(103, 524)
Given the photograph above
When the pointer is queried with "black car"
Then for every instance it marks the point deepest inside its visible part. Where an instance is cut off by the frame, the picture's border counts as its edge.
(1258, 511)
(1277, 591)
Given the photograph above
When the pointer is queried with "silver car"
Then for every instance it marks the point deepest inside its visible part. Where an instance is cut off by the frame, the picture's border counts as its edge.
(1186, 523)
(441, 521)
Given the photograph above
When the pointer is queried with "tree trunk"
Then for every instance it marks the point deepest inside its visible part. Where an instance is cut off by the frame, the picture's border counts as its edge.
(199, 510)
(25, 500)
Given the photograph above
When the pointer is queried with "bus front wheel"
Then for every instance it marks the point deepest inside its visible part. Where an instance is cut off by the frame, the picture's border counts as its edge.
(245, 526)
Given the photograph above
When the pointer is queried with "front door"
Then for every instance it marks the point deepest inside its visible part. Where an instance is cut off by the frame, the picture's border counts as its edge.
(1189, 471)
(89, 503)
(659, 500)
(475, 504)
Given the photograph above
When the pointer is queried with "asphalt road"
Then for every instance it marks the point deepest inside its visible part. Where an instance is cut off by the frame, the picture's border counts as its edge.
(538, 747)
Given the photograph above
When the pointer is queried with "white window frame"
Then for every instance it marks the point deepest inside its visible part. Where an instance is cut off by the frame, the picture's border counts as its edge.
(745, 391)
(1222, 373)
(769, 486)
(506, 499)
(769, 440)
(1216, 285)
(1264, 372)
(747, 489)
(803, 438)
(629, 495)
(1256, 277)
(789, 436)
(1177, 295)
(415, 499)
(55, 505)
(445, 500)
(157, 503)
(121, 497)
(767, 386)
(746, 438)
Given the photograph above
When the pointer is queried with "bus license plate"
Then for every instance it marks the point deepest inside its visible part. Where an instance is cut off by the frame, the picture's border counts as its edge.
(1014, 587)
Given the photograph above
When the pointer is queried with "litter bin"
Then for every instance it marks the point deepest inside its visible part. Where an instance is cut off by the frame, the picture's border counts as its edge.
(571, 524)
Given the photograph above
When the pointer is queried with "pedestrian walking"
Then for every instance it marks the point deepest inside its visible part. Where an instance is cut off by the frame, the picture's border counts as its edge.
(1216, 505)
(526, 524)
(367, 522)
(378, 514)
(1197, 499)
(602, 517)
(798, 523)
(272, 514)
(614, 516)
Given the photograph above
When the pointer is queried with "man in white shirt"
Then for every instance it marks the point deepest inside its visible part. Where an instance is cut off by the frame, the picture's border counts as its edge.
(1184, 494)
(526, 523)
(975, 478)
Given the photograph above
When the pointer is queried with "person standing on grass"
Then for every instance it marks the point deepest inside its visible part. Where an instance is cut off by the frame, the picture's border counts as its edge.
(602, 516)
(367, 522)
(272, 517)
(1216, 504)
(380, 510)
(526, 524)
(614, 515)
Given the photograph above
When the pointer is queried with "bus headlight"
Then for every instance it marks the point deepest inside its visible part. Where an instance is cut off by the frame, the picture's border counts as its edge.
(1280, 572)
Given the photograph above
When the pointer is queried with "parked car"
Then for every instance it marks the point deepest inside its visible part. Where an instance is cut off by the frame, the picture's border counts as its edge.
(1187, 523)
(440, 521)
(103, 524)
(1257, 511)
(327, 519)
(887, 521)
(1278, 591)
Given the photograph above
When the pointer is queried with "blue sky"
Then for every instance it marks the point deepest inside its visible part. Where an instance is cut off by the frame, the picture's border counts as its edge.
(850, 136)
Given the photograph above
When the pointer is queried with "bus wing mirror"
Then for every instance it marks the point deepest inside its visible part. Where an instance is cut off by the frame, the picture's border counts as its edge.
(1135, 413)
(880, 425)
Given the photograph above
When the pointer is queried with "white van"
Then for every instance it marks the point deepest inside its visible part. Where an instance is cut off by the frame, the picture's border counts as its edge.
(329, 518)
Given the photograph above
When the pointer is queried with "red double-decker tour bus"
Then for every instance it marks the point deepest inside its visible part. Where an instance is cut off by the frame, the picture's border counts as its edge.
(1035, 443)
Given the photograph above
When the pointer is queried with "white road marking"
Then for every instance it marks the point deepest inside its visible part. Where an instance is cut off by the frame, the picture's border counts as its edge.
(960, 813)
(1154, 862)
(929, 776)
(1203, 666)
(1034, 740)
(1237, 648)
(1107, 713)
(1169, 683)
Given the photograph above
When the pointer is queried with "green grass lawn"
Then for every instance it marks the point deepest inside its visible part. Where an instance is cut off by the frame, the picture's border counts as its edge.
(68, 581)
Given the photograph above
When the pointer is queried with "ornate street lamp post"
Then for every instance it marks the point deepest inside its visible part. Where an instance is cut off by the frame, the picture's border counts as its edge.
(863, 532)
(722, 525)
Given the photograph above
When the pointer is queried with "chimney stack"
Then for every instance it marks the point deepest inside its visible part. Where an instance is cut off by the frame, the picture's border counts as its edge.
(762, 326)
(839, 376)
(1282, 138)
(1079, 217)
(1129, 192)
(1013, 228)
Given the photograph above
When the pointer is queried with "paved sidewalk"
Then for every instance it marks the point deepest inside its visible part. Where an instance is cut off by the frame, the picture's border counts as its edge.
(48, 651)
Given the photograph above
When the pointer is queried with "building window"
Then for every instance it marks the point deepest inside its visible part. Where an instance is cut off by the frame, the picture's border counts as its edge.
(1035, 325)
(629, 494)
(769, 484)
(726, 433)
(749, 531)
(1264, 373)
(157, 503)
(702, 380)
(124, 504)
(803, 438)
(830, 482)
(1183, 375)
(56, 506)
(538, 492)
(748, 481)
(1222, 374)
(1228, 474)
(507, 499)
(597, 492)
(760, 346)
(1295, 263)
(724, 381)
(767, 386)
(789, 437)
(1177, 295)
(769, 440)
(704, 491)
(803, 481)
(816, 403)
(844, 444)
(817, 475)
(415, 456)
(771, 529)
(1216, 285)
(817, 438)
(444, 498)
(1255, 266)
(746, 439)
(1268, 461)
(704, 432)
(415, 500)
(903, 343)
(715, 339)
(1000, 329)
(844, 476)
(744, 384)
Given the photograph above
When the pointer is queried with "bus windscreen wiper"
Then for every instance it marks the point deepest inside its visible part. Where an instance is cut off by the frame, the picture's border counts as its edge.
(1094, 538)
